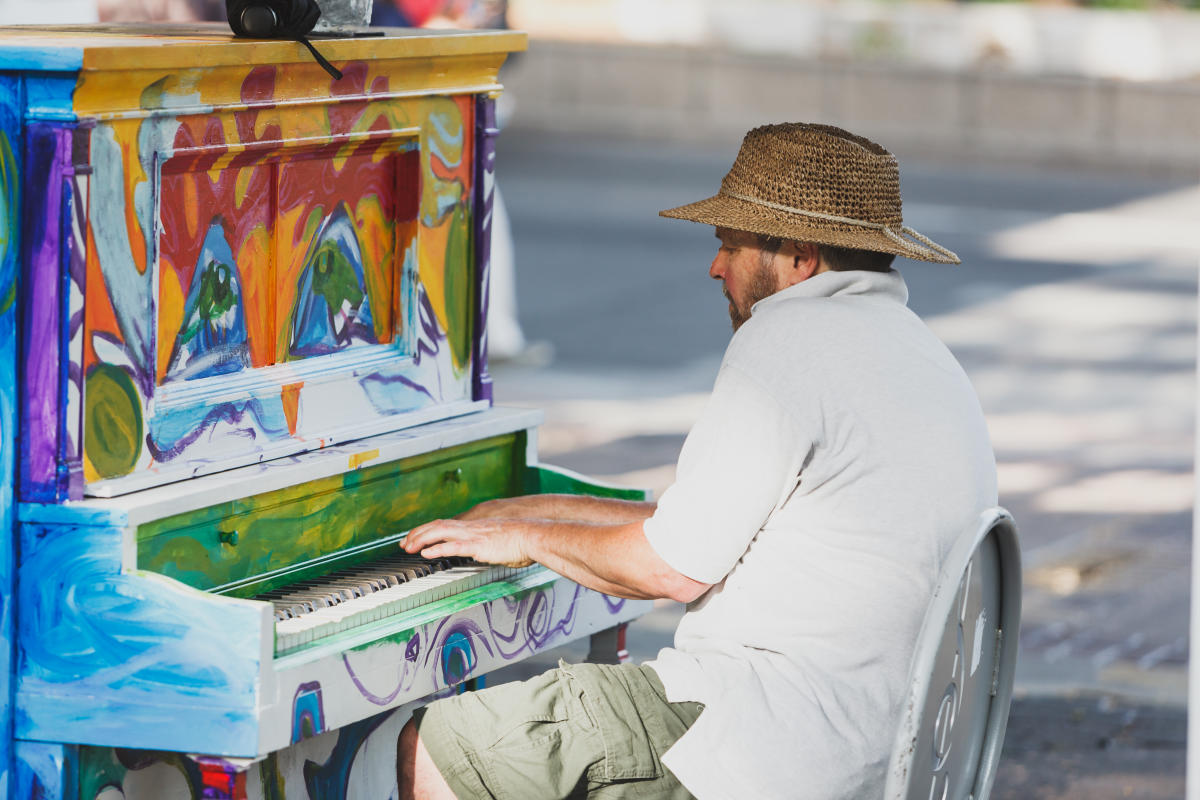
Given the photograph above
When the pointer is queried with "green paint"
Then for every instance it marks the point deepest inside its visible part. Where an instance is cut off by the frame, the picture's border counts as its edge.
(313, 223)
(459, 281)
(334, 279)
(154, 94)
(8, 212)
(9, 298)
(113, 421)
(399, 629)
(217, 295)
(289, 535)
(545, 479)
(99, 769)
(271, 778)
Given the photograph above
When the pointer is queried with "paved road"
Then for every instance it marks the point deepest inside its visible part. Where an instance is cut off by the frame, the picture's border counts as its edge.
(1074, 312)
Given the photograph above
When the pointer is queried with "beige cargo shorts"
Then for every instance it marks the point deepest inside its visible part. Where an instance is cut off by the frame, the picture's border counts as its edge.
(582, 730)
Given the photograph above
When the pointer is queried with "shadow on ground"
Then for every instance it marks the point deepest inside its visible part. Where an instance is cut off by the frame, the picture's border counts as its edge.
(1092, 748)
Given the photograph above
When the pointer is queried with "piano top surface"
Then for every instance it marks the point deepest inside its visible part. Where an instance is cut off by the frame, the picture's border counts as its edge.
(120, 46)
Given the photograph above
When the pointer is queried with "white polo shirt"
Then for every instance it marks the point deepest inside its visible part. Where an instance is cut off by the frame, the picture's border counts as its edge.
(842, 452)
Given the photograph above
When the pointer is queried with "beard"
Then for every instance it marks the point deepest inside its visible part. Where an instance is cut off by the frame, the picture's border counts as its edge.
(762, 284)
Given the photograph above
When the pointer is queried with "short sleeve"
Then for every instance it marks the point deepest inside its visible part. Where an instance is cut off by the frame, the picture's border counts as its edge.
(740, 461)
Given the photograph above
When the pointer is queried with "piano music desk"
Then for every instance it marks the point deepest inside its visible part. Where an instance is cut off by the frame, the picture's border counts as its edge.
(242, 353)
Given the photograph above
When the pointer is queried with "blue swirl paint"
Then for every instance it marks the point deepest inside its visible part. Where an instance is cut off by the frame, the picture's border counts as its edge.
(134, 657)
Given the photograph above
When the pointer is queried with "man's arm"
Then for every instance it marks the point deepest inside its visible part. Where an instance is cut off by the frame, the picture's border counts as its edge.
(613, 558)
(562, 508)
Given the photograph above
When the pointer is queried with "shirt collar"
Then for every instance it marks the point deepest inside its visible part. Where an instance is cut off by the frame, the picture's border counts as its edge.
(886, 285)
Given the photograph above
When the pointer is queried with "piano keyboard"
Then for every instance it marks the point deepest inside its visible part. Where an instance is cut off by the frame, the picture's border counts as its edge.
(345, 599)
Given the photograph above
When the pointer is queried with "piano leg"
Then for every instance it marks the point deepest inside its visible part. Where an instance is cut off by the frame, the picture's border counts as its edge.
(608, 646)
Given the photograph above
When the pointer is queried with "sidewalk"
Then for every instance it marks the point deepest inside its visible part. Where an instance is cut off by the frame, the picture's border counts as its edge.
(1092, 747)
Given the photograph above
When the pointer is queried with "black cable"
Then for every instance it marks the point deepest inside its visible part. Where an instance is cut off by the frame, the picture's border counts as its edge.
(278, 19)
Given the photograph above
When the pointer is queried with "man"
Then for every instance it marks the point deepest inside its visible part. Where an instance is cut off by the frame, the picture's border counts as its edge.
(841, 454)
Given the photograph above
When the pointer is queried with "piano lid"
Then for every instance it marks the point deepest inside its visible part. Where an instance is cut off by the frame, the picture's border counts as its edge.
(144, 46)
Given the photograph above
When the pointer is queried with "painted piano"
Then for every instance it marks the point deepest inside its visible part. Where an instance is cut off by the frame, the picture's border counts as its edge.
(242, 352)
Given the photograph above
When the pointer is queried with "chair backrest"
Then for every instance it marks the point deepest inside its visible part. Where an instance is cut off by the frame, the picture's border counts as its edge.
(960, 683)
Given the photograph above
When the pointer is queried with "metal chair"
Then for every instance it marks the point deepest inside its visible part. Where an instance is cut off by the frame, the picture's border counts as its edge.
(960, 682)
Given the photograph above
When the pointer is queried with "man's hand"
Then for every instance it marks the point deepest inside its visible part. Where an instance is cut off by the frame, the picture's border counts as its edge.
(491, 541)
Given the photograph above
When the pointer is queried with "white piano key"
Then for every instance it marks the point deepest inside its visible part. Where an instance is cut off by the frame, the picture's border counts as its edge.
(380, 604)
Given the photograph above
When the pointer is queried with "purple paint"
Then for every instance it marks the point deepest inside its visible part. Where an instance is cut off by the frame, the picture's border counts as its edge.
(485, 166)
(48, 160)
(71, 448)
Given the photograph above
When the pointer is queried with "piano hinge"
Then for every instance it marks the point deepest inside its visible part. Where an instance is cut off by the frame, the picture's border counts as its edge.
(996, 664)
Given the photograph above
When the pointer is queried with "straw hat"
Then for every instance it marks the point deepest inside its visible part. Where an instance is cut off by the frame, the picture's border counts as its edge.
(815, 183)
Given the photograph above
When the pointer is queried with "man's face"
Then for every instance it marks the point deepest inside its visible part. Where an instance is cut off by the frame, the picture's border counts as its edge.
(749, 273)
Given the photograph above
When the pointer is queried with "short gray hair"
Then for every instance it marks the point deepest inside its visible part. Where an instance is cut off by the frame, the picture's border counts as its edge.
(838, 259)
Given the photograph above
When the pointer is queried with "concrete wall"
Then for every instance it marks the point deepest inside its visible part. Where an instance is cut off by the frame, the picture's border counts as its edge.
(712, 95)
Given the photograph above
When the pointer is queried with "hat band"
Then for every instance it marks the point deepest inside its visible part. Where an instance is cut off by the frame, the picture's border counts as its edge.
(898, 238)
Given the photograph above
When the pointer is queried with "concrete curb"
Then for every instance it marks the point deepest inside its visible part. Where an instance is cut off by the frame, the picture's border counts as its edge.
(713, 96)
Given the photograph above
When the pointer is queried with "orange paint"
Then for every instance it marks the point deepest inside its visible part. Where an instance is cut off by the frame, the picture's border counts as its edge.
(99, 316)
(290, 397)
(258, 288)
(137, 241)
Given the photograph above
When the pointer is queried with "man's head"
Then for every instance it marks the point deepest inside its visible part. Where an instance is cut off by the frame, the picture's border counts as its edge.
(805, 199)
(754, 266)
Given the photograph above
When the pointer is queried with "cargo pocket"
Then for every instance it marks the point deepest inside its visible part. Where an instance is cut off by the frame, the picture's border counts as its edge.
(615, 705)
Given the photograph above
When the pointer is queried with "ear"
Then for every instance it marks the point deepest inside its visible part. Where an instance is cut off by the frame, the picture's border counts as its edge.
(805, 261)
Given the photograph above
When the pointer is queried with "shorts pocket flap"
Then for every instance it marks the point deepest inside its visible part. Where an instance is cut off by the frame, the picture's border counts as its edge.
(613, 703)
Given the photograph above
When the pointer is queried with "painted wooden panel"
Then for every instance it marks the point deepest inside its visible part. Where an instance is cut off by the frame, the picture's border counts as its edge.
(45, 771)
(336, 733)
(268, 280)
(55, 199)
(142, 649)
(486, 131)
(139, 660)
(285, 536)
(10, 176)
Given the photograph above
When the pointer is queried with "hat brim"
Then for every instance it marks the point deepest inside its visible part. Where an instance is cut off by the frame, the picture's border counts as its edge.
(741, 215)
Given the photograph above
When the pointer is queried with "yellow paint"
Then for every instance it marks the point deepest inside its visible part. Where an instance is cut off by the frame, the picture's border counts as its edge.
(170, 314)
(287, 270)
(133, 176)
(90, 475)
(117, 90)
(240, 187)
(377, 238)
(181, 52)
(431, 266)
(358, 459)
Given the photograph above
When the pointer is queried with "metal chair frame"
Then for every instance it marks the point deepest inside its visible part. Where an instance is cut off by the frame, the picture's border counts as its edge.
(961, 679)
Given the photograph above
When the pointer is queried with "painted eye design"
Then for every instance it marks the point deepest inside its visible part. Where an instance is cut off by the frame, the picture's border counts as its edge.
(332, 309)
(212, 338)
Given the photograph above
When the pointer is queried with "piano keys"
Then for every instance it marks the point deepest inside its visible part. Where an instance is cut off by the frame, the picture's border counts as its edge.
(252, 358)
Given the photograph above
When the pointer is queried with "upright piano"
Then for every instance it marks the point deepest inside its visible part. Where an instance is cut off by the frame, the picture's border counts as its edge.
(242, 352)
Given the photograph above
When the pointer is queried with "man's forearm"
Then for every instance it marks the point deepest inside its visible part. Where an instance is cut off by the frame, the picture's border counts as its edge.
(614, 559)
(612, 556)
(563, 508)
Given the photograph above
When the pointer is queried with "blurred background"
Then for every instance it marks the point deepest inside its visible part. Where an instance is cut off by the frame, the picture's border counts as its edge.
(1055, 146)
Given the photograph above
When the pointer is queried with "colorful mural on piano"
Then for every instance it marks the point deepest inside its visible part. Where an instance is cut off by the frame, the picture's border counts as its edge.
(254, 282)
(347, 759)
(10, 124)
(225, 260)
